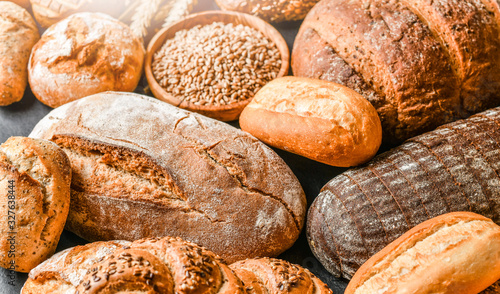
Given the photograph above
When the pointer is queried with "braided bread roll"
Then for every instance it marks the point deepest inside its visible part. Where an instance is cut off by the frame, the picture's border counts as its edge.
(166, 265)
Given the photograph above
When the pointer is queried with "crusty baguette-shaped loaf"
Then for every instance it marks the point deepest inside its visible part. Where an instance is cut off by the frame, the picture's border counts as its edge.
(144, 168)
(23, 3)
(420, 63)
(84, 54)
(270, 275)
(317, 119)
(270, 10)
(455, 253)
(453, 168)
(38, 175)
(18, 34)
(167, 265)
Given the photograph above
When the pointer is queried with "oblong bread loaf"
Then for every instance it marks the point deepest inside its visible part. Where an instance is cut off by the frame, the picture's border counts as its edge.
(144, 168)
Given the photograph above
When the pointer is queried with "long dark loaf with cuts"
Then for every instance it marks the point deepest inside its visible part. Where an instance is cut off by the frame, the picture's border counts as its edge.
(166, 265)
(454, 168)
(421, 63)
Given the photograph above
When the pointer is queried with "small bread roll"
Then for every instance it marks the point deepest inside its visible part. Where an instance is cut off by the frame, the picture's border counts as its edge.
(320, 120)
(35, 177)
(455, 253)
(85, 54)
(270, 10)
(18, 34)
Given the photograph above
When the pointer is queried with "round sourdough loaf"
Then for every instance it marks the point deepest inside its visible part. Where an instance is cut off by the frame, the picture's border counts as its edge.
(144, 168)
(84, 54)
(320, 120)
(270, 10)
(18, 34)
(35, 177)
(420, 63)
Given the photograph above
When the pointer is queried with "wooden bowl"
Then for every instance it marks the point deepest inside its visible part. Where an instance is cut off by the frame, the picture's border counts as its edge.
(221, 112)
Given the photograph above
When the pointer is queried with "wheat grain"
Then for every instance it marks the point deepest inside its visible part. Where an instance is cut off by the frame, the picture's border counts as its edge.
(143, 15)
(179, 10)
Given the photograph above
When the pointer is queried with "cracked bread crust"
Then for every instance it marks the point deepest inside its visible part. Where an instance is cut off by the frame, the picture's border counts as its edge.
(41, 175)
(156, 170)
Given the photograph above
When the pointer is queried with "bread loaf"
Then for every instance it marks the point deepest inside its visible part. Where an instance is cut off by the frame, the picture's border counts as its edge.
(420, 63)
(454, 168)
(84, 54)
(320, 120)
(35, 177)
(156, 170)
(454, 253)
(18, 34)
(166, 265)
(270, 10)
(23, 3)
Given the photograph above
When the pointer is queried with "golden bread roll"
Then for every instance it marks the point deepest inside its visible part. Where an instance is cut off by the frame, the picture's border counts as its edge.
(18, 34)
(84, 54)
(35, 177)
(456, 253)
(320, 120)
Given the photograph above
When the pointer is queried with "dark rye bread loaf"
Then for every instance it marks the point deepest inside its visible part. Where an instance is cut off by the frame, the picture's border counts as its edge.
(144, 168)
(453, 168)
(421, 63)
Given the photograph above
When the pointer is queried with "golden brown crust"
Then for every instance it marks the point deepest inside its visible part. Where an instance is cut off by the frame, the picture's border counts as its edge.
(320, 120)
(452, 253)
(270, 10)
(84, 54)
(18, 34)
(158, 170)
(41, 176)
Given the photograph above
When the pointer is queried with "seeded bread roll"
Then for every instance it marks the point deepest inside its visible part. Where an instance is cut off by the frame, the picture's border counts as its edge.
(320, 120)
(156, 170)
(35, 177)
(18, 34)
(455, 253)
(84, 54)
(453, 168)
(270, 10)
(420, 63)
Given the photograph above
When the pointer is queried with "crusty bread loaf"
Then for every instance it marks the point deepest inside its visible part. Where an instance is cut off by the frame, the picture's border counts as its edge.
(142, 168)
(23, 3)
(455, 253)
(84, 54)
(270, 10)
(270, 275)
(454, 168)
(18, 34)
(35, 177)
(166, 265)
(320, 120)
(420, 63)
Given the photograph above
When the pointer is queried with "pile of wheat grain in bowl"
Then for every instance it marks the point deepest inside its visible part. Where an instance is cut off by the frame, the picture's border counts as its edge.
(216, 64)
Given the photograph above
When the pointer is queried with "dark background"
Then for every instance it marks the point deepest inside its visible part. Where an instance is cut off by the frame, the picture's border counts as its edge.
(19, 119)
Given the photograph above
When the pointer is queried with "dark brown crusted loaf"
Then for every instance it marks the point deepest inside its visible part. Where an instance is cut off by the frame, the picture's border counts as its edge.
(454, 168)
(144, 168)
(421, 63)
(167, 265)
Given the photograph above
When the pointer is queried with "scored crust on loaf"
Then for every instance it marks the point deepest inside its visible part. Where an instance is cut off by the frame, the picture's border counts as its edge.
(420, 63)
(42, 175)
(157, 170)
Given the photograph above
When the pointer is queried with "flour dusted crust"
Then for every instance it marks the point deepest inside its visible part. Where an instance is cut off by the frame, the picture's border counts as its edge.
(156, 170)
(84, 54)
(39, 174)
(18, 34)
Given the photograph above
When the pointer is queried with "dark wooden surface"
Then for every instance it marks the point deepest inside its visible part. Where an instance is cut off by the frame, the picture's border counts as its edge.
(20, 118)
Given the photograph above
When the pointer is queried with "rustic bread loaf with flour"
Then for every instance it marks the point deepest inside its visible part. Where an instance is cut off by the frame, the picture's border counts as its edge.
(320, 120)
(143, 168)
(166, 265)
(455, 253)
(84, 54)
(35, 177)
(453, 168)
(420, 63)
(18, 34)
